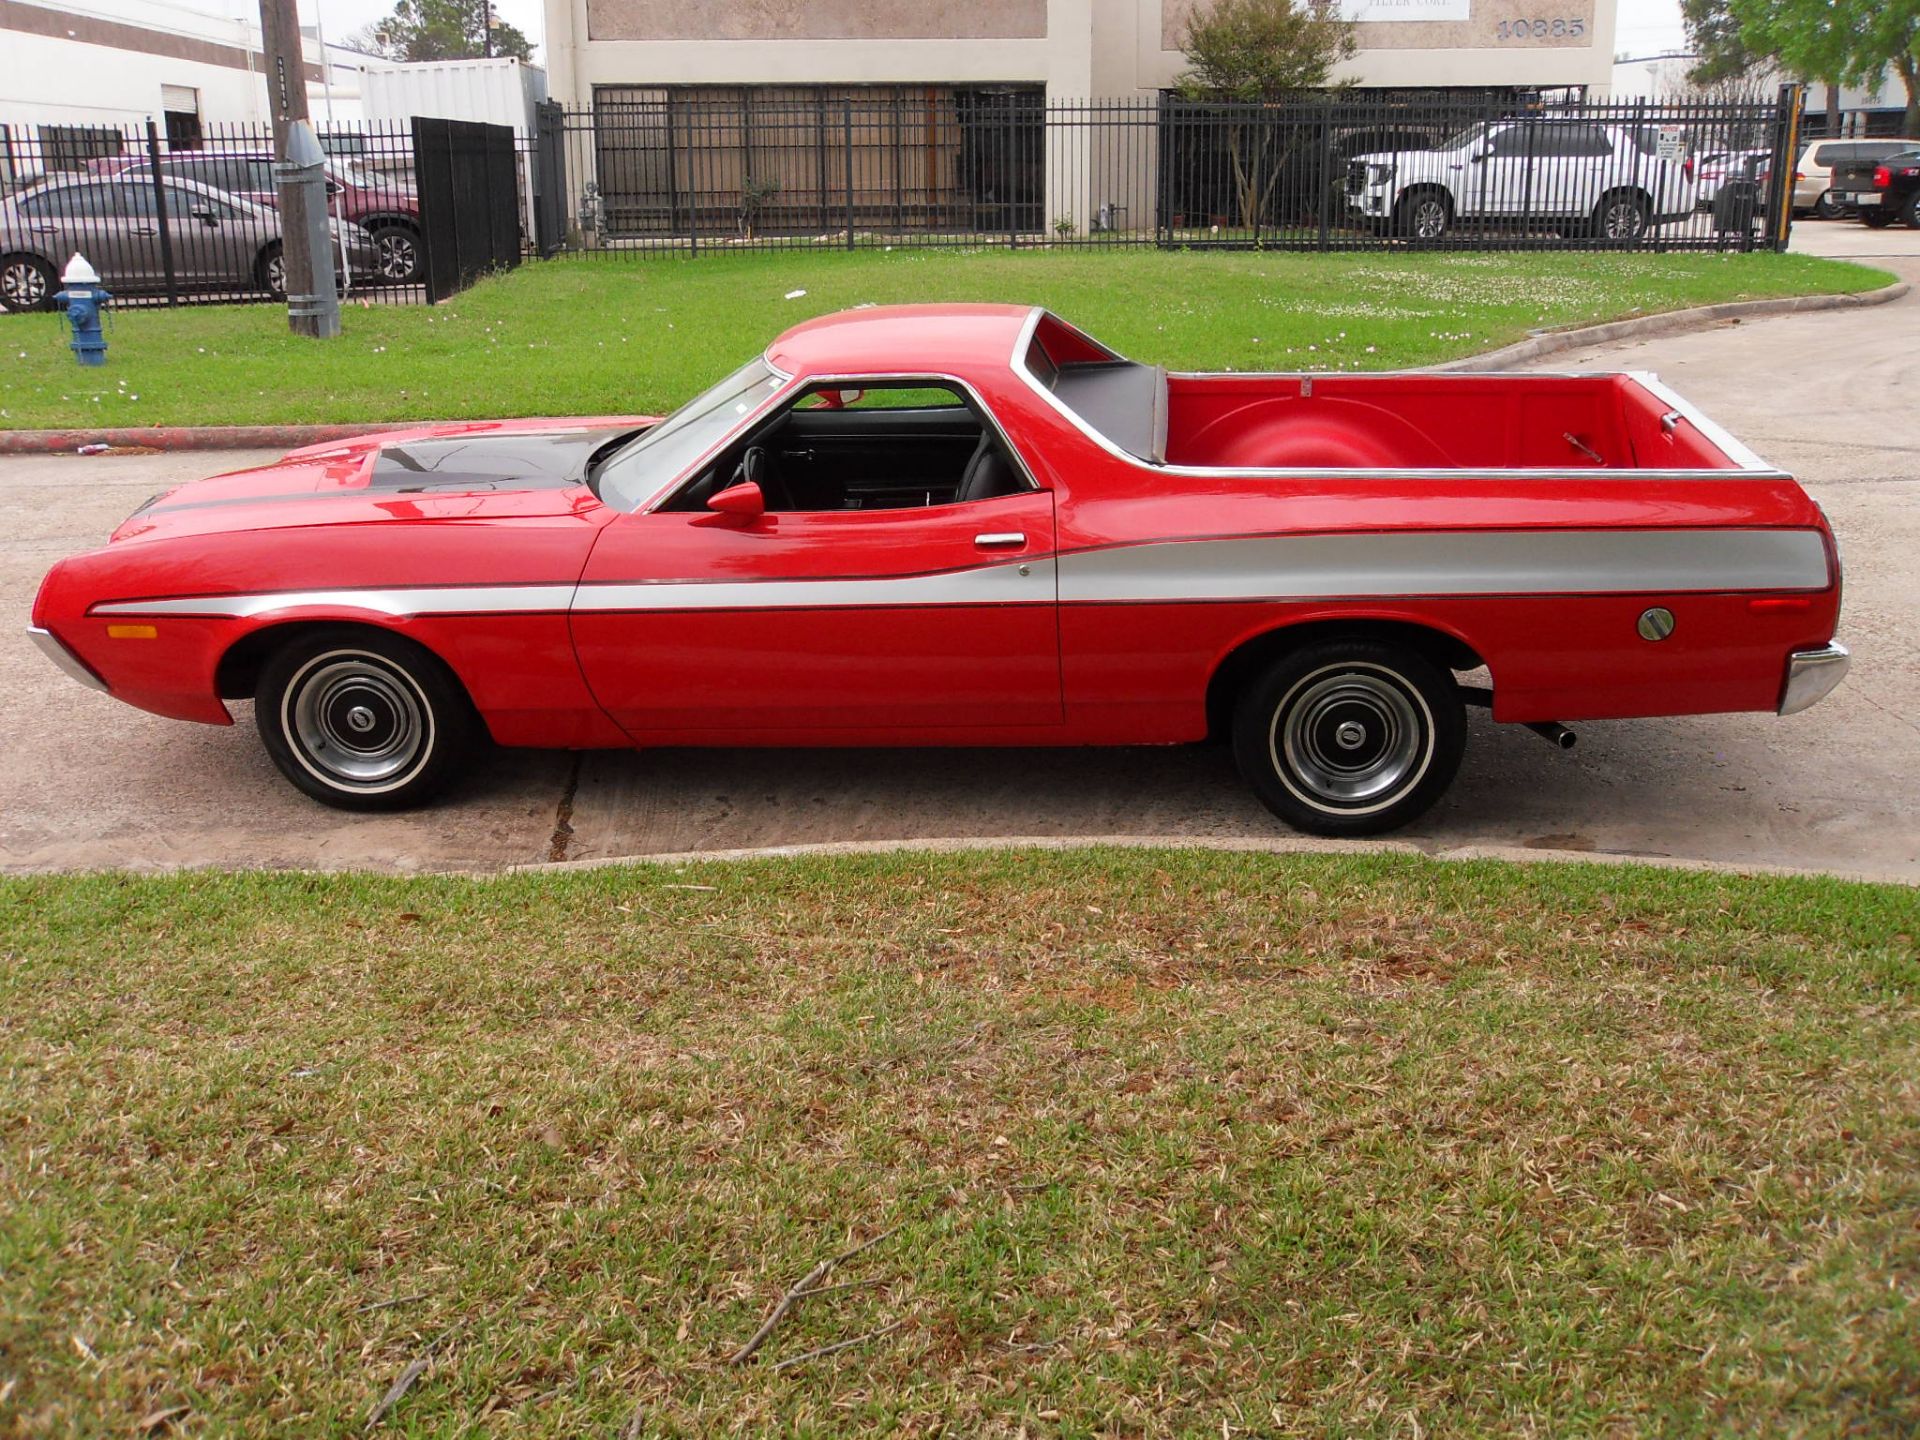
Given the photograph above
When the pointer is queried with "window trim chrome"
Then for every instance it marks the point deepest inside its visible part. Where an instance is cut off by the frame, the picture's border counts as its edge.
(798, 382)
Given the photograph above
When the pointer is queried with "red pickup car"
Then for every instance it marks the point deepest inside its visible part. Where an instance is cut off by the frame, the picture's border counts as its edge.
(976, 525)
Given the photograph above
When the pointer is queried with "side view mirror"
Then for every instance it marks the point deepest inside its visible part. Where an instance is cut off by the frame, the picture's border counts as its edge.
(334, 187)
(743, 500)
(1478, 157)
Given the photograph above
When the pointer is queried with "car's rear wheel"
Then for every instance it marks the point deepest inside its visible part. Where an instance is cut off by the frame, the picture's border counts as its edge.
(397, 257)
(26, 283)
(1826, 207)
(1911, 211)
(363, 720)
(1350, 737)
(1877, 219)
(1620, 218)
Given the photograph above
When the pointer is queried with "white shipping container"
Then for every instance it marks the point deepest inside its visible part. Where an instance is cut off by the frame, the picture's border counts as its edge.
(496, 92)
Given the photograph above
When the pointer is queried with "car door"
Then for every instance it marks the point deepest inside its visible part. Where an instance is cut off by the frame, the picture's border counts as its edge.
(88, 219)
(892, 616)
(1504, 170)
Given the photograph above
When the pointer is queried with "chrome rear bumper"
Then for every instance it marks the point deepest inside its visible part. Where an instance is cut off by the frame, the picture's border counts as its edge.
(69, 662)
(1811, 676)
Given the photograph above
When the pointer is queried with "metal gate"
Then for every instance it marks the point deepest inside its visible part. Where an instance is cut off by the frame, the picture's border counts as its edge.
(467, 176)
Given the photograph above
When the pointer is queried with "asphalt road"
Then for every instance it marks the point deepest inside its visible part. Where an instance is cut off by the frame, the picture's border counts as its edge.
(86, 782)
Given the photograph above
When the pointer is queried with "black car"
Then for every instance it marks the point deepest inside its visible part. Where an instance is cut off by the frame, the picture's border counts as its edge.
(1883, 190)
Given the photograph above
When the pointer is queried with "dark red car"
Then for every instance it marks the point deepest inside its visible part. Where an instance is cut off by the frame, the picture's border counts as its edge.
(386, 209)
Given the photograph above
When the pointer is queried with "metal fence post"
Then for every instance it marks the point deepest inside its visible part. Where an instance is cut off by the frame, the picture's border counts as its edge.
(1325, 172)
(1006, 172)
(846, 120)
(160, 212)
(1786, 157)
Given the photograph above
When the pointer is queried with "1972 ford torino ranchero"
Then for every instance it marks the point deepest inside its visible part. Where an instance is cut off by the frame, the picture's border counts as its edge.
(975, 525)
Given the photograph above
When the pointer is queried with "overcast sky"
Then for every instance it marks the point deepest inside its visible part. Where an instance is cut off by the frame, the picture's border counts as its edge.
(1646, 27)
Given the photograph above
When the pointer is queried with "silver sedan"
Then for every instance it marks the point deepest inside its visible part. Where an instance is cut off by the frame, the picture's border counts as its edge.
(218, 240)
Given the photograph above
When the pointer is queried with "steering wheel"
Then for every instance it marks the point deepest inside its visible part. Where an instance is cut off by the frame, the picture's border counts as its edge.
(756, 466)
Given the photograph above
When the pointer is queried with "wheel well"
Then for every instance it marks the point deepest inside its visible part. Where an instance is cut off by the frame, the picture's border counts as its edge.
(1638, 192)
(1253, 656)
(389, 222)
(237, 675)
(1424, 187)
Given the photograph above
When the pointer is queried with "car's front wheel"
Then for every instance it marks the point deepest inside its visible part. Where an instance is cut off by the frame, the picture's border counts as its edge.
(363, 720)
(1350, 737)
(26, 283)
(270, 271)
(1424, 215)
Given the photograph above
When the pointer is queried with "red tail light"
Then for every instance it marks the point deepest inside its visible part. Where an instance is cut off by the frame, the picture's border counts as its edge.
(1799, 174)
(1686, 169)
(1882, 177)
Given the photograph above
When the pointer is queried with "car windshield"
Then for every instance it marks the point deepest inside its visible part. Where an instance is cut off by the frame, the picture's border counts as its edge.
(1460, 139)
(640, 470)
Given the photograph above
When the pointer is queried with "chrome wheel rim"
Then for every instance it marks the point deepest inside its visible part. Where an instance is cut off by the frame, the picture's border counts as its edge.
(396, 255)
(1351, 739)
(23, 285)
(1429, 219)
(357, 722)
(277, 275)
(1622, 221)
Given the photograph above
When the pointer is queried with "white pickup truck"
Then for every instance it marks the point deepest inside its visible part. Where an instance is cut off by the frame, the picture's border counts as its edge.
(1575, 176)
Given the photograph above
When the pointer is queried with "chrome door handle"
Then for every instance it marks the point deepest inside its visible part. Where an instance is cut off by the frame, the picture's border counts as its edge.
(1001, 540)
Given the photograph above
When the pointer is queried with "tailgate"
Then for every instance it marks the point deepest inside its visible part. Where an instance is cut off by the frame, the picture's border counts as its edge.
(1852, 182)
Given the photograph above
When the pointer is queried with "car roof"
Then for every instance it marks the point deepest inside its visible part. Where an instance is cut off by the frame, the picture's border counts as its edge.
(902, 339)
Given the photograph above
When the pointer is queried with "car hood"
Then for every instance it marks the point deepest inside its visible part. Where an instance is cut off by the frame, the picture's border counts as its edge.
(480, 471)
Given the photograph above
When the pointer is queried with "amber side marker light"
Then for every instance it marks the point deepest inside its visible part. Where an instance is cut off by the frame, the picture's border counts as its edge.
(132, 632)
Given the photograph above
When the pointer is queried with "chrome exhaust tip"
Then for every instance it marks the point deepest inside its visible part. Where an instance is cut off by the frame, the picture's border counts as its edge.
(1554, 733)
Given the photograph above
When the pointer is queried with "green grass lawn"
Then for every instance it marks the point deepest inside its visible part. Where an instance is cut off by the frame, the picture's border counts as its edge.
(1177, 1144)
(626, 335)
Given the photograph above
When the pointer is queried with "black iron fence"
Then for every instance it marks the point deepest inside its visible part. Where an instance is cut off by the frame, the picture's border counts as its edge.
(184, 218)
(661, 169)
(197, 220)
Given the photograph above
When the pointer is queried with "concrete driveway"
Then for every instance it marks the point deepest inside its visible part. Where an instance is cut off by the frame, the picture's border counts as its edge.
(87, 782)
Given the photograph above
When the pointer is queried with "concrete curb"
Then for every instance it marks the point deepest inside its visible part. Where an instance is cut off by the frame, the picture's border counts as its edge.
(291, 437)
(1287, 844)
(1667, 322)
(188, 437)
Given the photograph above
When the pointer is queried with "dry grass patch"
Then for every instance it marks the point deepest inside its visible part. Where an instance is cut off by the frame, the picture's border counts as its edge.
(1176, 1143)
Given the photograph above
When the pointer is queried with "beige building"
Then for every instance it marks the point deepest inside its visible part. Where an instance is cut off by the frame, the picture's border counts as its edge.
(1071, 48)
(789, 116)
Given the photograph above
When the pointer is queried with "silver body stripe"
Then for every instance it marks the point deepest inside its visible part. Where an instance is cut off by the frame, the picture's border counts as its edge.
(401, 600)
(1027, 581)
(1490, 562)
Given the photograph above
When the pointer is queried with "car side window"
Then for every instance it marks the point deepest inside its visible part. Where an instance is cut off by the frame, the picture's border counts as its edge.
(1509, 142)
(259, 176)
(71, 202)
(861, 445)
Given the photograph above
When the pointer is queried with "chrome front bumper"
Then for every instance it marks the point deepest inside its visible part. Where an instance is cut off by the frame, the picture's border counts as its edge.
(71, 663)
(1811, 676)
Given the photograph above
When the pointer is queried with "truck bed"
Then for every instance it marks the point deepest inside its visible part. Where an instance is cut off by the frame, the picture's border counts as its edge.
(1440, 422)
